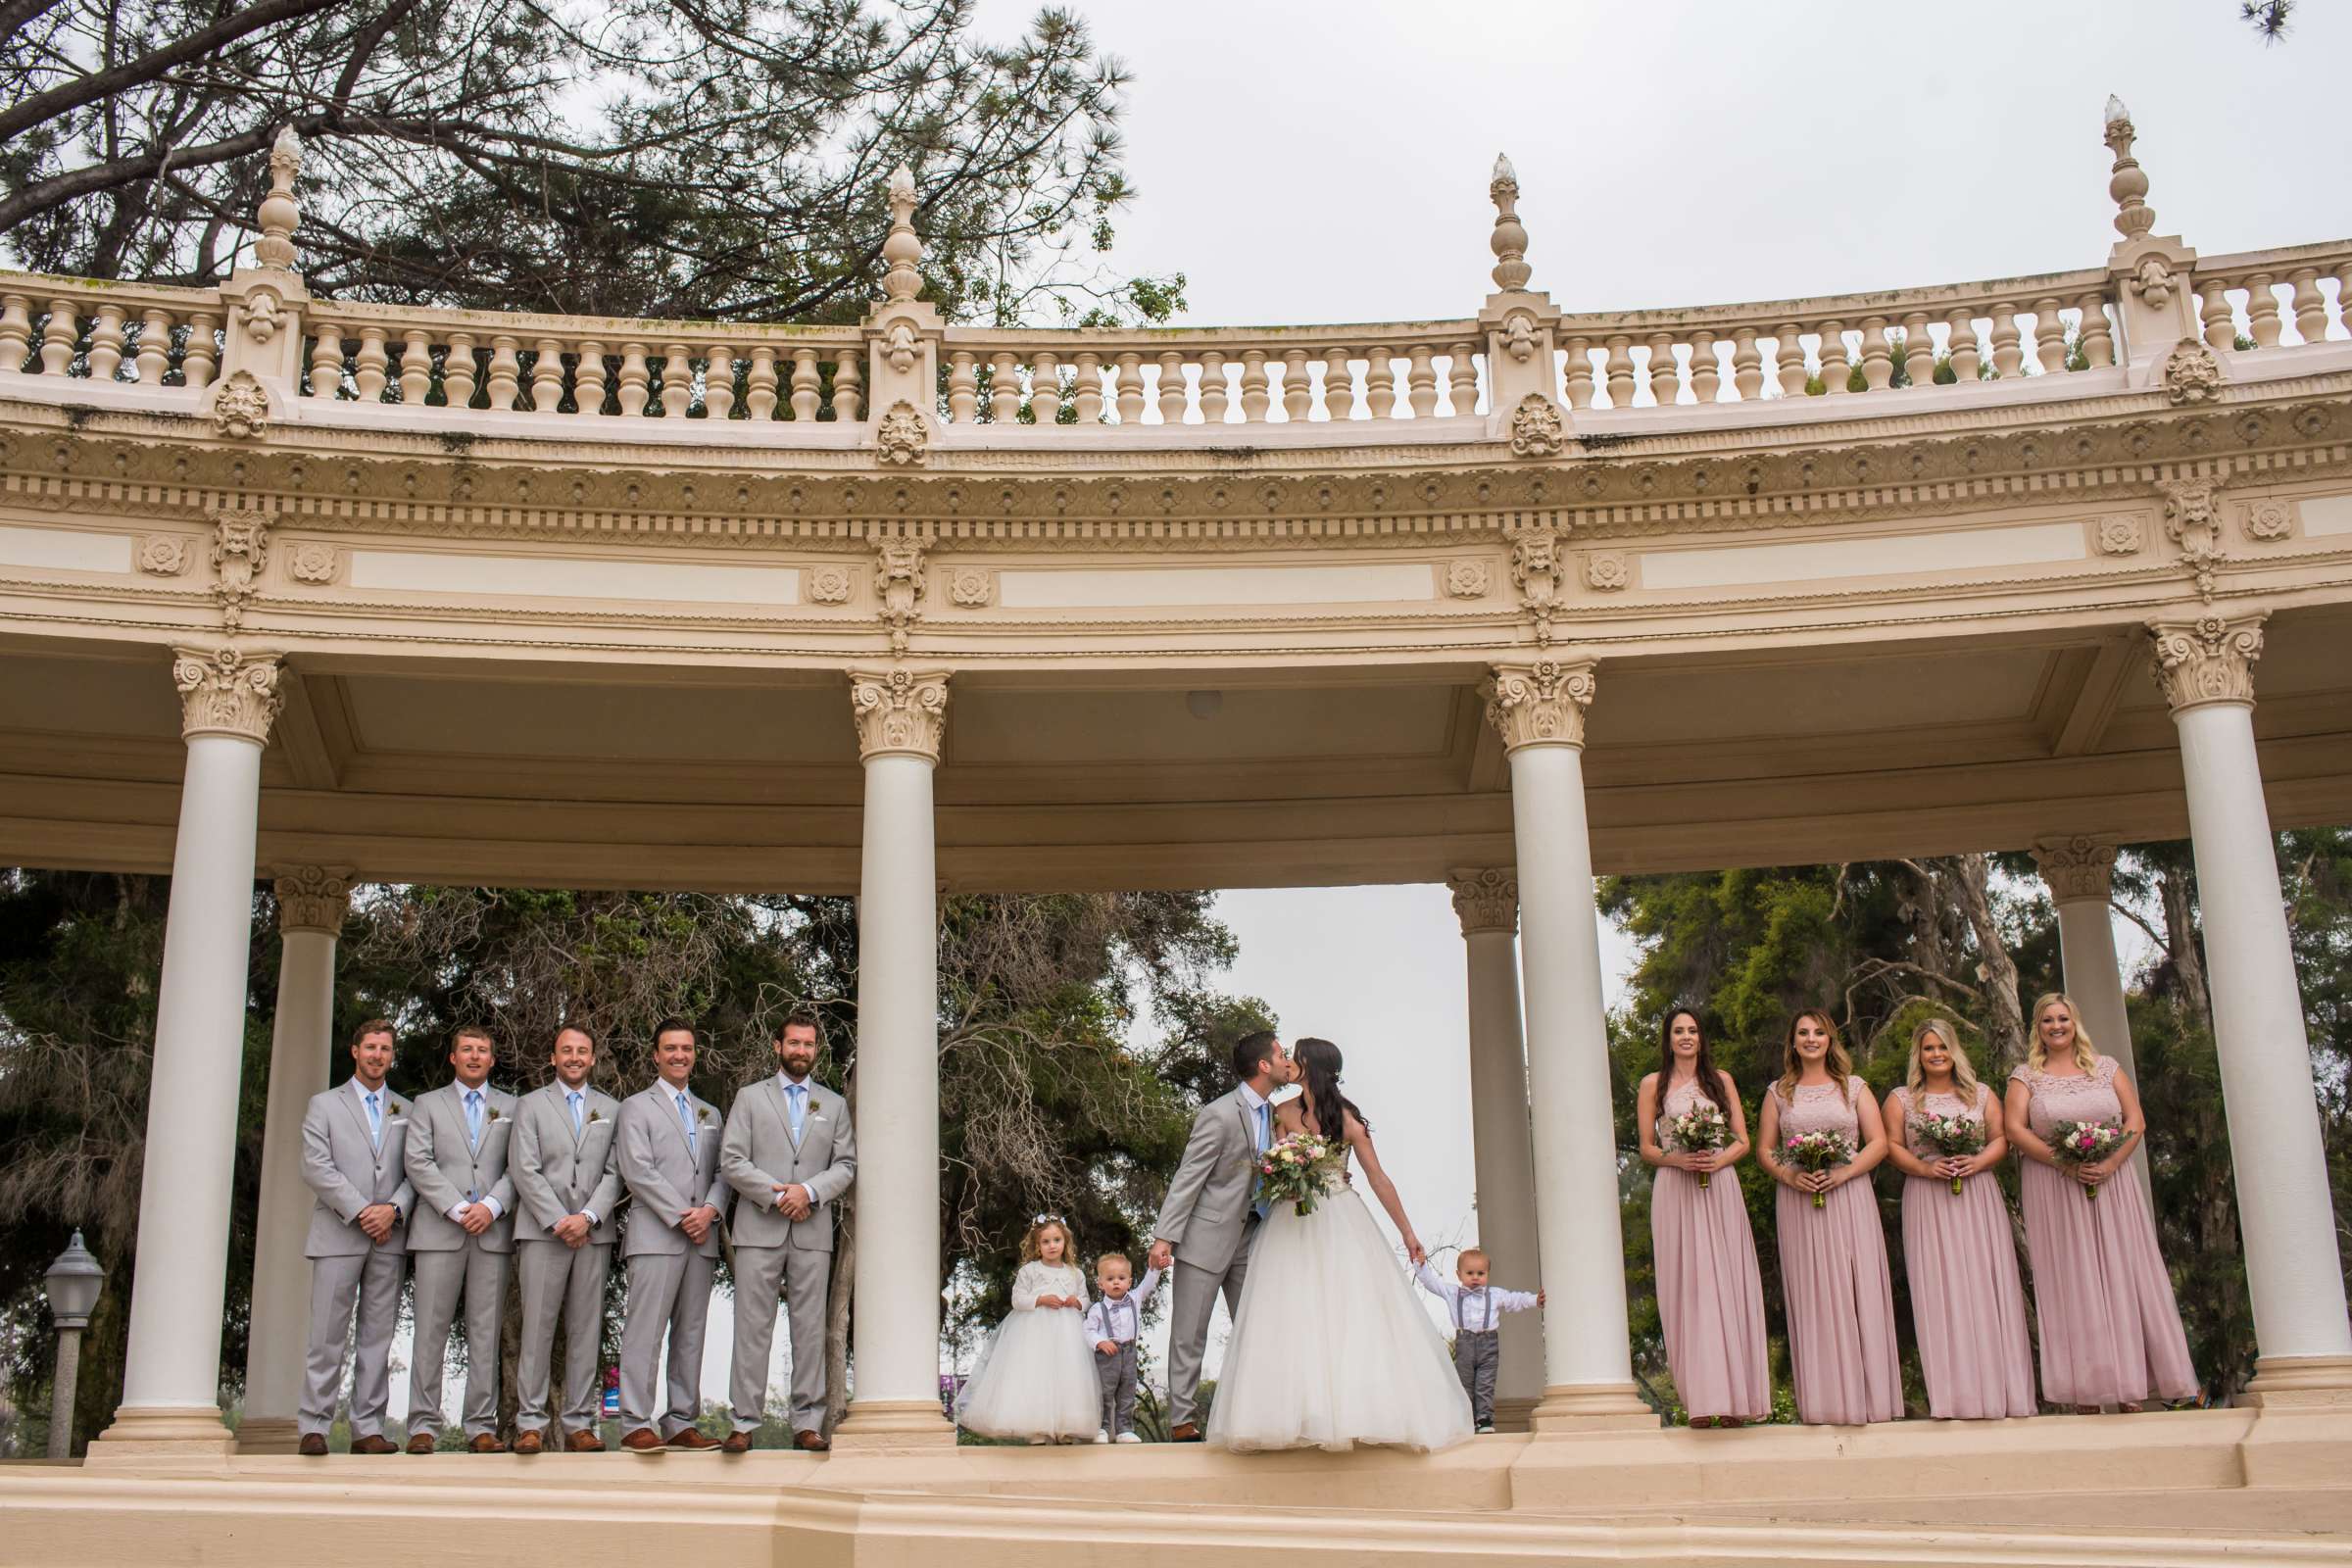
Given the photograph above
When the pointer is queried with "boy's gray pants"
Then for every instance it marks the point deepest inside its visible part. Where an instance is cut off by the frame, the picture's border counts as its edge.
(1477, 1352)
(1117, 1372)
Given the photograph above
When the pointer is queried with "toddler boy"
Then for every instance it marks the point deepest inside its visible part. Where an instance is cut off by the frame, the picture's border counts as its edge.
(1112, 1324)
(1473, 1305)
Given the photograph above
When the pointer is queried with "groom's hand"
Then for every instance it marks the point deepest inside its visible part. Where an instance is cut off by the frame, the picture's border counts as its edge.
(1160, 1257)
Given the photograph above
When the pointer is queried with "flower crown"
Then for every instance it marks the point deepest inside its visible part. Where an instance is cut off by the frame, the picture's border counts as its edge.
(1048, 1219)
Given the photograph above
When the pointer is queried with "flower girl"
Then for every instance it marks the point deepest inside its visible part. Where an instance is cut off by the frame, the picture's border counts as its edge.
(1037, 1378)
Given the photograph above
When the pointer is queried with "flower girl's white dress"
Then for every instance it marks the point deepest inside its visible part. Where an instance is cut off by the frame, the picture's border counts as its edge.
(1330, 1346)
(1036, 1377)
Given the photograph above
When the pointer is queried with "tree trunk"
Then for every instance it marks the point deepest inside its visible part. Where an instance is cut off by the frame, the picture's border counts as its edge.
(837, 1316)
(2181, 942)
(1971, 876)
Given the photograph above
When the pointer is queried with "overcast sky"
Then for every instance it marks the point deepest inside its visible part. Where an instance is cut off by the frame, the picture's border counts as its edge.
(1328, 162)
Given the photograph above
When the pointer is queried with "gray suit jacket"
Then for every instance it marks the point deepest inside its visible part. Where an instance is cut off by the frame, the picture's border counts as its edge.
(758, 1155)
(349, 1172)
(446, 1171)
(663, 1179)
(558, 1173)
(1207, 1206)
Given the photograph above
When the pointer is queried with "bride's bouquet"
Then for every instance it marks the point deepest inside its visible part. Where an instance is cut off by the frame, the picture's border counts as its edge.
(1951, 1137)
(2085, 1143)
(1700, 1130)
(1817, 1152)
(1300, 1169)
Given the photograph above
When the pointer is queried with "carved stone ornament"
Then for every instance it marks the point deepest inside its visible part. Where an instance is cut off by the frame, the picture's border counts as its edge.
(240, 550)
(973, 587)
(2122, 536)
(164, 554)
(1537, 428)
(1536, 573)
(2192, 519)
(1485, 899)
(1519, 336)
(241, 408)
(900, 713)
(903, 436)
(829, 586)
(263, 315)
(313, 898)
(2269, 519)
(313, 561)
(1541, 704)
(2206, 661)
(2154, 281)
(1468, 579)
(224, 692)
(1607, 570)
(898, 584)
(2078, 868)
(2192, 373)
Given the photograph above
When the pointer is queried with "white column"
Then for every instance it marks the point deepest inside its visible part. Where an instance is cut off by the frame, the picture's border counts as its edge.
(312, 901)
(1588, 1365)
(171, 1372)
(2286, 1219)
(1503, 1154)
(895, 1309)
(2079, 873)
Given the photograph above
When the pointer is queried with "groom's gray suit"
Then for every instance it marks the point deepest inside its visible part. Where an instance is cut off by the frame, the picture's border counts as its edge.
(1208, 1219)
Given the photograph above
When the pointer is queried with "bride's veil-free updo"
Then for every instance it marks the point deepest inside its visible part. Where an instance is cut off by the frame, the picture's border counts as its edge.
(1319, 1063)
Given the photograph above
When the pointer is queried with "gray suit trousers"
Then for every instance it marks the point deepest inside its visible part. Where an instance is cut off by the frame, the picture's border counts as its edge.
(441, 1277)
(804, 1275)
(371, 1280)
(1196, 1293)
(566, 1283)
(668, 1292)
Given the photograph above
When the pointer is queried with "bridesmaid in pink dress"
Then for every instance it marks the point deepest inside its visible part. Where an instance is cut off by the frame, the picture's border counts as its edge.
(1966, 1303)
(1710, 1293)
(2109, 1331)
(1834, 1273)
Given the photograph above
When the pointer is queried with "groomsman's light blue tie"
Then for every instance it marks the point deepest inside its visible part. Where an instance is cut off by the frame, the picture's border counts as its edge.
(796, 1097)
(686, 1120)
(474, 1117)
(573, 1095)
(375, 1121)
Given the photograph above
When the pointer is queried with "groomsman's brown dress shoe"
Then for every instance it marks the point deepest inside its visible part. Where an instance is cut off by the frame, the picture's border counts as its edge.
(693, 1442)
(645, 1440)
(375, 1443)
(486, 1443)
(736, 1443)
(420, 1443)
(583, 1442)
(527, 1441)
(312, 1447)
(812, 1443)
(1188, 1431)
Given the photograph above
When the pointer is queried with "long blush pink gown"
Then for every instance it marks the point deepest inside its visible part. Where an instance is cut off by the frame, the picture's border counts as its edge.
(2110, 1330)
(1966, 1304)
(1711, 1291)
(1834, 1280)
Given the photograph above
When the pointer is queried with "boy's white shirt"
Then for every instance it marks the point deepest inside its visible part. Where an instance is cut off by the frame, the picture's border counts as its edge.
(1097, 1321)
(1486, 1299)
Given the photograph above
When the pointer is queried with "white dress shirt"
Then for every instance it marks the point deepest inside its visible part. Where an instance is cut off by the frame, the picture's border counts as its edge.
(1472, 1311)
(376, 1124)
(456, 1211)
(1120, 1320)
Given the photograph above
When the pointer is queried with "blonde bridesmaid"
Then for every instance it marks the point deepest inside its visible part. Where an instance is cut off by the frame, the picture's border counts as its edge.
(1834, 1273)
(2109, 1331)
(1966, 1304)
(1711, 1291)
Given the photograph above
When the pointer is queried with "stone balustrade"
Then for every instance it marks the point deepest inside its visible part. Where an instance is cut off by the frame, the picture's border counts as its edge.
(76, 328)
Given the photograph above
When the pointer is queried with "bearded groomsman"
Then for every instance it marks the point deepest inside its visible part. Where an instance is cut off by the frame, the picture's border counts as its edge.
(351, 1140)
(567, 1169)
(789, 1152)
(461, 1238)
(669, 1142)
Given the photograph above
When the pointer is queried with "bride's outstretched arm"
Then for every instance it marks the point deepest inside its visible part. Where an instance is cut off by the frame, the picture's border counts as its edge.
(1359, 1140)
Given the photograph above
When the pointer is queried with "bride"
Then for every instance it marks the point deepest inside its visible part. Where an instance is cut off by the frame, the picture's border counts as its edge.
(1330, 1346)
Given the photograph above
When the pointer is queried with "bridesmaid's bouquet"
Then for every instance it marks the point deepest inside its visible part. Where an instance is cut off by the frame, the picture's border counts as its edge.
(1700, 1130)
(1817, 1152)
(1953, 1137)
(1300, 1169)
(2085, 1143)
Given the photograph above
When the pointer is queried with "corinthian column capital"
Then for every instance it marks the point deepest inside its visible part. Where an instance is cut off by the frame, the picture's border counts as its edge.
(900, 713)
(313, 898)
(225, 691)
(1485, 899)
(2209, 659)
(2078, 868)
(1541, 704)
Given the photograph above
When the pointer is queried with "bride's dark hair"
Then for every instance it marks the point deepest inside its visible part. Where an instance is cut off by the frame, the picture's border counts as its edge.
(1319, 1062)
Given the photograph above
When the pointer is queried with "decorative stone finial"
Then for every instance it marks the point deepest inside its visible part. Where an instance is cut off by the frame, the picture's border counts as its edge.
(278, 214)
(1509, 239)
(2129, 183)
(904, 248)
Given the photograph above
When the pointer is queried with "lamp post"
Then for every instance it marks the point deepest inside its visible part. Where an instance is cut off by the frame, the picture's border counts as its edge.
(73, 1282)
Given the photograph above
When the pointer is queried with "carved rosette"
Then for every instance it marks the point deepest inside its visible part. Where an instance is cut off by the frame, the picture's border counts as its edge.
(1537, 428)
(225, 691)
(829, 586)
(900, 713)
(164, 554)
(1485, 899)
(1467, 579)
(313, 561)
(2192, 374)
(1541, 704)
(903, 438)
(2269, 519)
(973, 587)
(313, 898)
(1607, 570)
(2078, 868)
(2123, 534)
(241, 406)
(2206, 661)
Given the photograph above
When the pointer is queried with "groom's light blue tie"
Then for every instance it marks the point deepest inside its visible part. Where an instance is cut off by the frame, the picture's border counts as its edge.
(1264, 1139)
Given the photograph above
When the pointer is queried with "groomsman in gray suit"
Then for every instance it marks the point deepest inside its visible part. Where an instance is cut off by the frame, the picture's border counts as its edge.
(566, 1168)
(352, 1141)
(789, 1152)
(670, 1159)
(461, 1238)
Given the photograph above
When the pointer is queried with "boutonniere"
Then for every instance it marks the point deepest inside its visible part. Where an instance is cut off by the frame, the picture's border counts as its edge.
(493, 1112)
(702, 1114)
(594, 1115)
(399, 1110)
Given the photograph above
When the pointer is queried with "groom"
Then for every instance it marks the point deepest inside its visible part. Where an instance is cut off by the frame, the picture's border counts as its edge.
(1208, 1224)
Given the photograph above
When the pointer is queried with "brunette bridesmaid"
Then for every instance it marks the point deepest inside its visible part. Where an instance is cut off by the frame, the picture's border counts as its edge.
(1710, 1293)
(1834, 1273)
(1966, 1303)
(2109, 1331)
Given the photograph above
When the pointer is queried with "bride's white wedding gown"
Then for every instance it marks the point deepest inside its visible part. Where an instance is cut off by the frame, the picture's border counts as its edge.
(1330, 1346)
